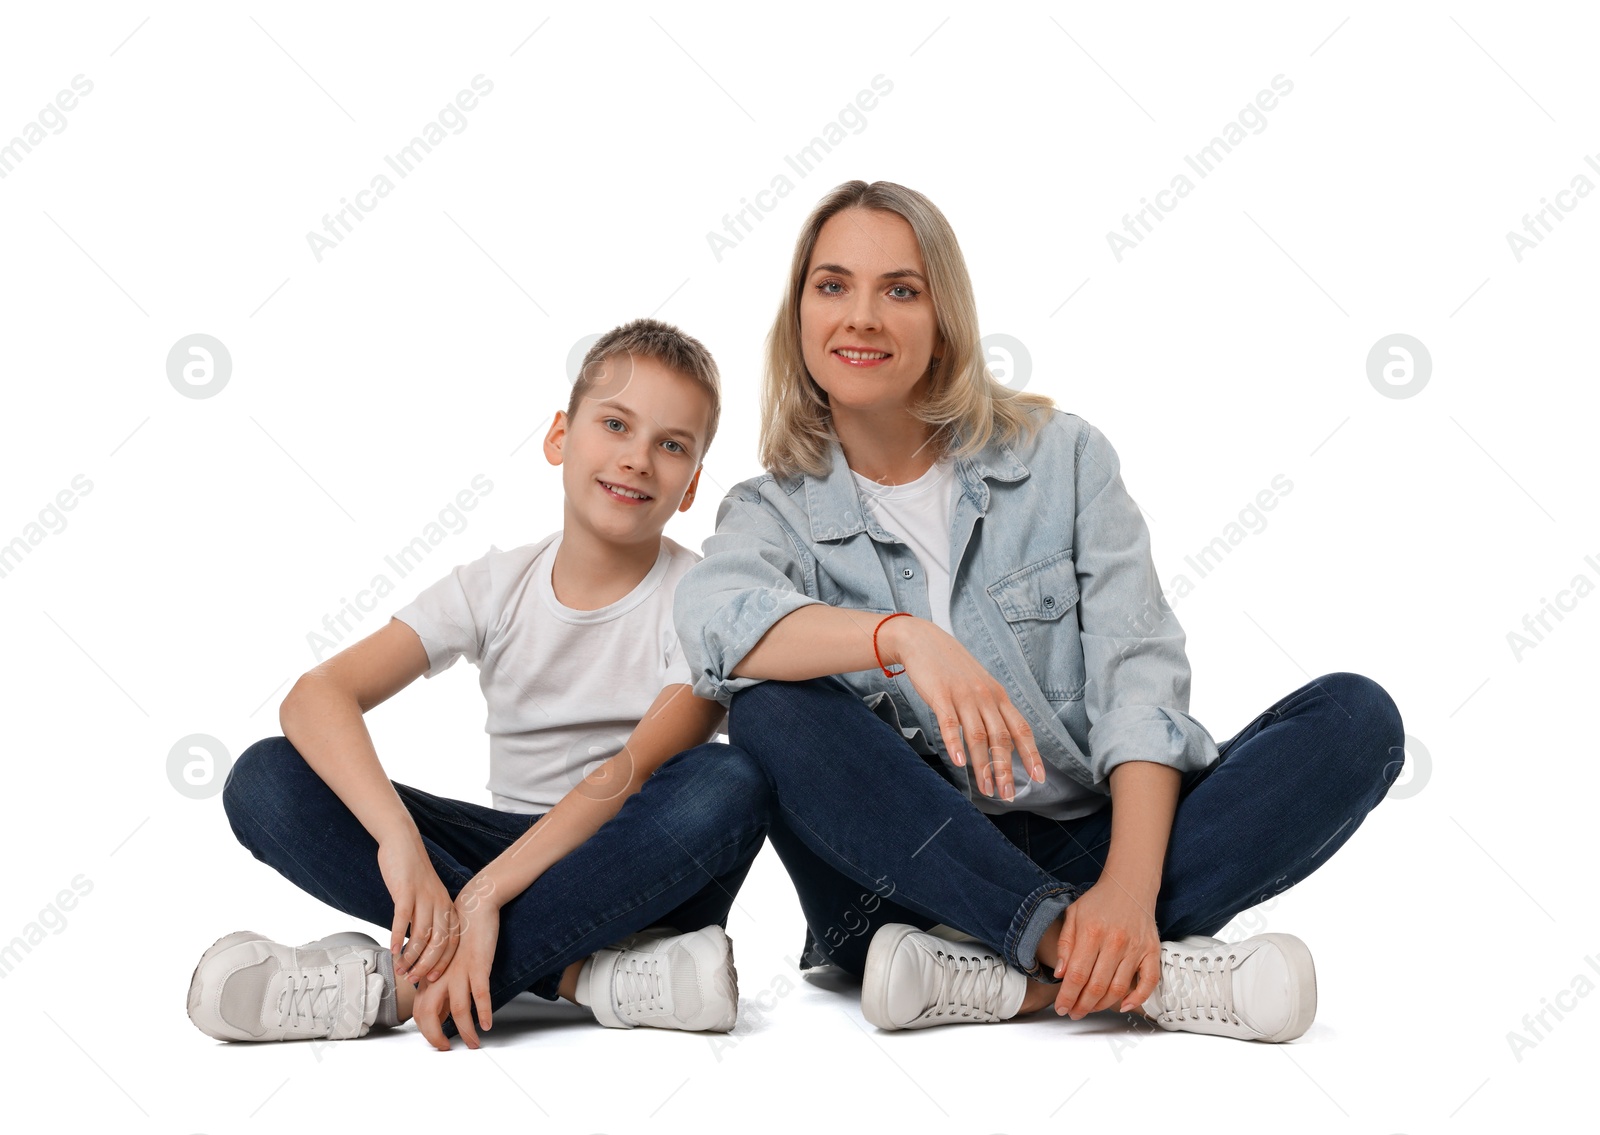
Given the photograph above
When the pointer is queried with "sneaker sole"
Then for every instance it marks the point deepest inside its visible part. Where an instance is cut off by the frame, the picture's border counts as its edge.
(875, 980)
(1304, 1011)
(195, 984)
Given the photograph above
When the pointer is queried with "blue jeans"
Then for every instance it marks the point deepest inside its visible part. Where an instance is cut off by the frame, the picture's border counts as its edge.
(675, 854)
(872, 833)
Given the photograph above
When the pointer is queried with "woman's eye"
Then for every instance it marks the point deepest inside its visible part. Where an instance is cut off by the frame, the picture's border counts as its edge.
(913, 293)
(826, 284)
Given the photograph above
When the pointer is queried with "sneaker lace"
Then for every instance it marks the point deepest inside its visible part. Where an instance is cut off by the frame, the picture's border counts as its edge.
(1198, 984)
(637, 982)
(307, 999)
(969, 986)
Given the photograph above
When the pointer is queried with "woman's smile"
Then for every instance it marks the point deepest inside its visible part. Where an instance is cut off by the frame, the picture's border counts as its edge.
(861, 356)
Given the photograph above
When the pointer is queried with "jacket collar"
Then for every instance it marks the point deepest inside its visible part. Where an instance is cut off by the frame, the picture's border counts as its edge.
(835, 509)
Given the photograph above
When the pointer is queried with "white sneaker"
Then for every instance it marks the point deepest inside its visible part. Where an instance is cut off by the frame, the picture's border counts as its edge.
(915, 979)
(1261, 988)
(246, 987)
(664, 980)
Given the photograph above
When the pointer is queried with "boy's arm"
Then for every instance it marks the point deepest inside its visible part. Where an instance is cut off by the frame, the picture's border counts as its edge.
(323, 719)
(677, 720)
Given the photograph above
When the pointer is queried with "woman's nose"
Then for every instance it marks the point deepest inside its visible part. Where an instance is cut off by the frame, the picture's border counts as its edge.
(863, 313)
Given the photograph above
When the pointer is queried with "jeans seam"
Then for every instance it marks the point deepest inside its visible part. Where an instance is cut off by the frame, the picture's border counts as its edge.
(788, 812)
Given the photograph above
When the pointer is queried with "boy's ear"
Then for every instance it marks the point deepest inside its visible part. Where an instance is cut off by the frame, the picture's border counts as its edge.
(554, 438)
(688, 494)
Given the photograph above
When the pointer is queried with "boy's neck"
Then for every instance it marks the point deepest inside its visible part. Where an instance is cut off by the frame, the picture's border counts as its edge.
(590, 573)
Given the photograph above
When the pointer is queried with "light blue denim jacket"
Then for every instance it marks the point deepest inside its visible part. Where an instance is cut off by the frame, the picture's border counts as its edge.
(1054, 593)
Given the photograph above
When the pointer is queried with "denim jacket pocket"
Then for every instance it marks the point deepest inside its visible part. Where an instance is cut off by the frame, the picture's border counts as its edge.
(1034, 601)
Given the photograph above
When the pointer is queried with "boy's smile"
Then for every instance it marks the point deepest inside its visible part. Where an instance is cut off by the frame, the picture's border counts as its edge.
(626, 493)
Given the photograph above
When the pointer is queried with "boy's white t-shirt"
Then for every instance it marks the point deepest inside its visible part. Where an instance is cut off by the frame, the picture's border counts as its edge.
(565, 688)
(919, 513)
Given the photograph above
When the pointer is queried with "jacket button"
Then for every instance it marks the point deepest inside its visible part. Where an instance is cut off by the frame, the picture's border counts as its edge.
(1049, 600)
(907, 573)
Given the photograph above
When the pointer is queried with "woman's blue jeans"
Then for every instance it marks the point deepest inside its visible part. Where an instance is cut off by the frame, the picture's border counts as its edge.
(871, 832)
(675, 854)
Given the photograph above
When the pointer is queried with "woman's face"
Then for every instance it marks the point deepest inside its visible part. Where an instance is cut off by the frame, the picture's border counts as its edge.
(867, 326)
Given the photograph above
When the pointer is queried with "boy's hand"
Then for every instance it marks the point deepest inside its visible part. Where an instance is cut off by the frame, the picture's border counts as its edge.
(422, 903)
(465, 984)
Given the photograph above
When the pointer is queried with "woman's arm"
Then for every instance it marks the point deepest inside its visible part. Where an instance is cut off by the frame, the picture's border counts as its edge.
(1144, 800)
(814, 641)
(1136, 694)
(1108, 953)
(975, 715)
(744, 616)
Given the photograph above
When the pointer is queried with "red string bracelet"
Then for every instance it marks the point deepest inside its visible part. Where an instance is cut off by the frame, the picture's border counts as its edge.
(878, 656)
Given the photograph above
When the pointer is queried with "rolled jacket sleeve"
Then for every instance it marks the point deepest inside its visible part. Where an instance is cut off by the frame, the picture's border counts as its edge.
(1136, 693)
(752, 573)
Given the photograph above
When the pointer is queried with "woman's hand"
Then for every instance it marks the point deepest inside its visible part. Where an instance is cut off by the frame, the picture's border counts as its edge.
(1109, 951)
(465, 983)
(422, 903)
(966, 700)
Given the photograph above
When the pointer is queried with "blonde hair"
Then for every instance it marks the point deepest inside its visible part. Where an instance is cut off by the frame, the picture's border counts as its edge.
(963, 397)
(653, 339)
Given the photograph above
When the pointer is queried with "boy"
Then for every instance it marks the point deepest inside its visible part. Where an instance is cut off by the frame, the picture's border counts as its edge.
(613, 811)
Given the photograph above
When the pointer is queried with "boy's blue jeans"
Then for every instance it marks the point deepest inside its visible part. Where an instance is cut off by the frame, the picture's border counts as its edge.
(674, 854)
(872, 833)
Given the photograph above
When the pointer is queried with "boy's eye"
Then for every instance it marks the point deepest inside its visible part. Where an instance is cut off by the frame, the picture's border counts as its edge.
(607, 422)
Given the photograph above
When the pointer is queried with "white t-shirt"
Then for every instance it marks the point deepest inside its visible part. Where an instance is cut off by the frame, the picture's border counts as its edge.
(565, 688)
(919, 514)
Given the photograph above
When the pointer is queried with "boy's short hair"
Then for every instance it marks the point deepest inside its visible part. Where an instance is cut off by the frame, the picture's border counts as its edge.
(651, 338)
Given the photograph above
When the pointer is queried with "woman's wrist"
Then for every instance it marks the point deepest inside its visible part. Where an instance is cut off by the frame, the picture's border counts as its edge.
(891, 638)
(1138, 879)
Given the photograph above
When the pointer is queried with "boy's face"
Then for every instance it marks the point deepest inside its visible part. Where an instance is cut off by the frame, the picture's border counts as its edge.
(640, 427)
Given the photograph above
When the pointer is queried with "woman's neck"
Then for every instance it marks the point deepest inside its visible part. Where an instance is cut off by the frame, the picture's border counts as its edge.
(894, 452)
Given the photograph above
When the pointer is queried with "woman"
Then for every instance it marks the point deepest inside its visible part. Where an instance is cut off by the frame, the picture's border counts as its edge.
(930, 547)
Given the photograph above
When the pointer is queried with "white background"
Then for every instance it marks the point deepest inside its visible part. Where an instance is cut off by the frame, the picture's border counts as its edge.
(367, 389)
